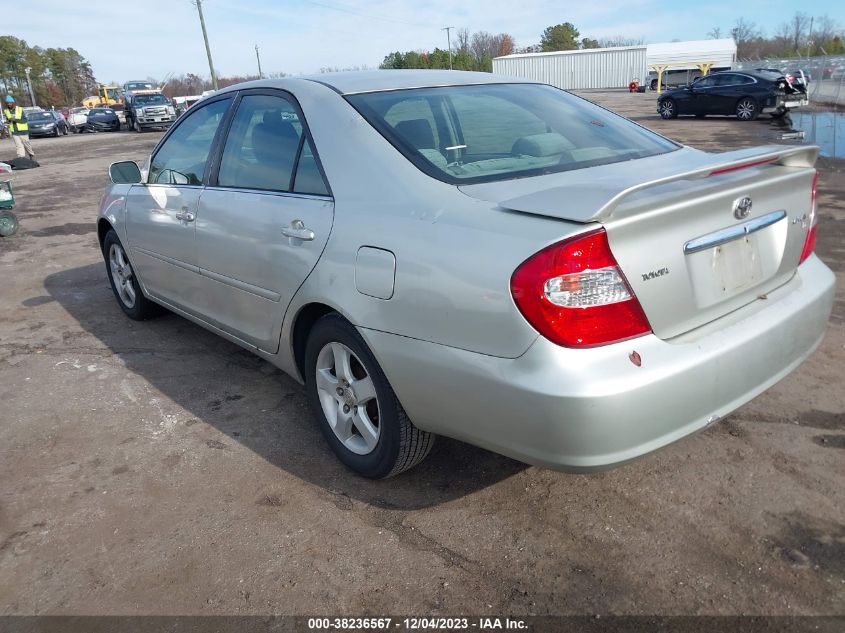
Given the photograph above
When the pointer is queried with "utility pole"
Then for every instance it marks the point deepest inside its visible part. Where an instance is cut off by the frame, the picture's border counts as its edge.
(258, 57)
(207, 47)
(27, 70)
(448, 30)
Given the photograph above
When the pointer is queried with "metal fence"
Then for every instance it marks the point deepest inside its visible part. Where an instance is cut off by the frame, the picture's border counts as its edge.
(826, 74)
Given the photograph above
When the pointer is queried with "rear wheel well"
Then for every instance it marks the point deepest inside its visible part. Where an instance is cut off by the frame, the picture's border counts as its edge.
(103, 227)
(305, 320)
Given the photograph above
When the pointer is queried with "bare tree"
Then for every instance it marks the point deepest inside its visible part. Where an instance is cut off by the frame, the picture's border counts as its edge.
(824, 30)
(619, 40)
(715, 33)
(744, 33)
(797, 29)
(482, 45)
(462, 39)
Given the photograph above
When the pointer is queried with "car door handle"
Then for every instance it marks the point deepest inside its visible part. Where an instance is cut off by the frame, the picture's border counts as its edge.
(298, 231)
(186, 216)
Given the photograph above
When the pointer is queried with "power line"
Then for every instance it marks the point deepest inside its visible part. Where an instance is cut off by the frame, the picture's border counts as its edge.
(365, 15)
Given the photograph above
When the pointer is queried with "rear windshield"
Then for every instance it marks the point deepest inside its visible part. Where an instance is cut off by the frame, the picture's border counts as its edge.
(482, 133)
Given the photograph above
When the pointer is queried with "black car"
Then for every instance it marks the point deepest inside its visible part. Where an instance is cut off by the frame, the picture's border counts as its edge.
(102, 120)
(744, 94)
(46, 123)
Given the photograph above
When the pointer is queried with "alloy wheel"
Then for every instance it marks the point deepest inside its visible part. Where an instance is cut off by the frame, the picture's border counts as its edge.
(667, 109)
(745, 109)
(348, 398)
(122, 275)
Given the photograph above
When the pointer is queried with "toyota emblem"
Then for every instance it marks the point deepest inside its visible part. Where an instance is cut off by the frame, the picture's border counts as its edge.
(742, 208)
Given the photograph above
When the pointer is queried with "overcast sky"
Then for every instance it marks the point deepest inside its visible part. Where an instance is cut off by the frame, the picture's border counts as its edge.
(128, 39)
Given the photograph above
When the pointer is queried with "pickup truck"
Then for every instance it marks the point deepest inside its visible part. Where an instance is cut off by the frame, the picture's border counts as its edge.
(148, 109)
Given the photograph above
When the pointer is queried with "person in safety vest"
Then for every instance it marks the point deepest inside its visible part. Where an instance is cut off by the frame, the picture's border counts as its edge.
(16, 120)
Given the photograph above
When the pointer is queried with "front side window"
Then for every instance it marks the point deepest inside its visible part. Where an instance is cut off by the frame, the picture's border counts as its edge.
(182, 158)
(482, 133)
(267, 148)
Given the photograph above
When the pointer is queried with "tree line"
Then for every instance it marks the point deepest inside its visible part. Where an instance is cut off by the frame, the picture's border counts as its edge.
(801, 36)
(469, 52)
(475, 51)
(59, 76)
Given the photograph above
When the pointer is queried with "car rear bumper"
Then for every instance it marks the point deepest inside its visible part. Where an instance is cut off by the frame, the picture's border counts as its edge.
(787, 103)
(594, 409)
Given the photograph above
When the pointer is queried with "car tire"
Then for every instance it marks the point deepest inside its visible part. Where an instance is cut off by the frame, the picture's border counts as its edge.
(369, 432)
(653, 84)
(124, 283)
(668, 109)
(747, 109)
(58, 132)
(136, 126)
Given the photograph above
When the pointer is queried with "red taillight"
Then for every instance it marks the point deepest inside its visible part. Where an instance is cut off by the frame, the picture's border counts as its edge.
(810, 240)
(575, 295)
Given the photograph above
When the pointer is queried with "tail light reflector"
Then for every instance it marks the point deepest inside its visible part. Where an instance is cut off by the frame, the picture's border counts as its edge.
(575, 295)
(810, 240)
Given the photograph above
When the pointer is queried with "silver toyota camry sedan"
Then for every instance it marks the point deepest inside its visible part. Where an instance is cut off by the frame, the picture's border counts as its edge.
(470, 255)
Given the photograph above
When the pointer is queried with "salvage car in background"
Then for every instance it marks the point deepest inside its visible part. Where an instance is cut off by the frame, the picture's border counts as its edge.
(102, 120)
(46, 123)
(77, 118)
(486, 258)
(744, 94)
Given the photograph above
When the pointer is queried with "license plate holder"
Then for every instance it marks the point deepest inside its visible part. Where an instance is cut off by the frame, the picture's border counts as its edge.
(736, 265)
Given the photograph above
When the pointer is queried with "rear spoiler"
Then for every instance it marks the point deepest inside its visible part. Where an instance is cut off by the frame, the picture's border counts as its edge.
(597, 200)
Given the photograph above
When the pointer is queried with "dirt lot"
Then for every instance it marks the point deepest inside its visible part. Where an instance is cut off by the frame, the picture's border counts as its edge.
(155, 468)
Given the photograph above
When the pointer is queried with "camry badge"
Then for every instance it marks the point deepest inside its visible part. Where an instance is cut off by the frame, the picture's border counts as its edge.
(742, 208)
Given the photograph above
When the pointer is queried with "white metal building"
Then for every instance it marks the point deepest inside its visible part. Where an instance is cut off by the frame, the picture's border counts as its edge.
(590, 68)
(613, 67)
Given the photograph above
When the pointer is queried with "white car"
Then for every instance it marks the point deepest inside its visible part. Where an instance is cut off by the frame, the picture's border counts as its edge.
(77, 118)
(485, 258)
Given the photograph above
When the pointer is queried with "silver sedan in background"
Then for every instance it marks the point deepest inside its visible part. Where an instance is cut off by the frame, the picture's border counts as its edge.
(485, 258)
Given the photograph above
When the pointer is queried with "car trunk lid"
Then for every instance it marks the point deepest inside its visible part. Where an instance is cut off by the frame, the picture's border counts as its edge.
(690, 246)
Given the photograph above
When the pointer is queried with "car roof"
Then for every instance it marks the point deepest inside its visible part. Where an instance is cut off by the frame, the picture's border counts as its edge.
(757, 73)
(378, 80)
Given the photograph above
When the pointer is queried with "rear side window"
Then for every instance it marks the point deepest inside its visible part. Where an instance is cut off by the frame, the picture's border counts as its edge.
(482, 133)
(182, 158)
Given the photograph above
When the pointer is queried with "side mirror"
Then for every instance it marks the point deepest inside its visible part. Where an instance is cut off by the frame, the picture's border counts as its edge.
(125, 173)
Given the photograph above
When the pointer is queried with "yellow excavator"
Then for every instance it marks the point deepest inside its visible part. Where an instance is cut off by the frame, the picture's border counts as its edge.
(106, 96)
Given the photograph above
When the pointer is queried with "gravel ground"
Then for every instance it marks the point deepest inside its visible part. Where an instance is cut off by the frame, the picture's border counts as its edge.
(153, 468)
